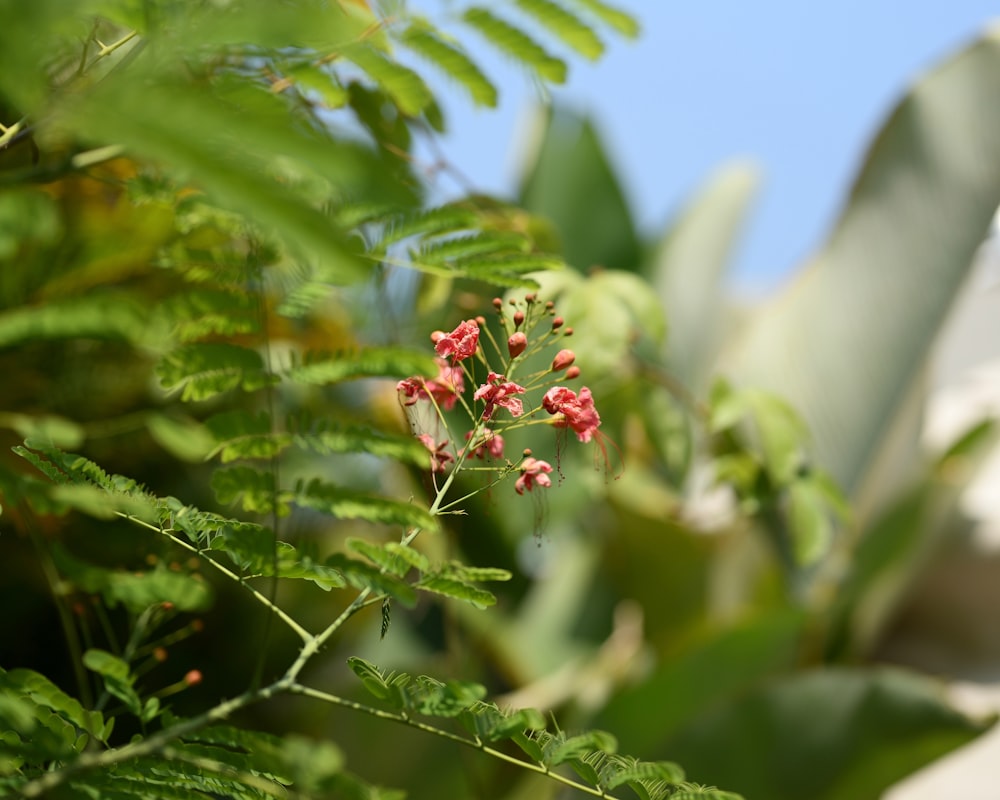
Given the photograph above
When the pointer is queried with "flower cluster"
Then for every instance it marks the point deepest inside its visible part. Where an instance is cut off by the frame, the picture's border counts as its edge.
(474, 354)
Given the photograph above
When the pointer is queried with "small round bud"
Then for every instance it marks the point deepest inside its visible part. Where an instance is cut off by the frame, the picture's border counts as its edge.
(557, 323)
(568, 332)
(480, 321)
(563, 359)
(527, 452)
(550, 305)
(437, 336)
(193, 677)
(516, 344)
(497, 303)
(512, 301)
(197, 625)
(530, 298)
(518, 318)
(572, 372)
(160, 654)
(166, 605)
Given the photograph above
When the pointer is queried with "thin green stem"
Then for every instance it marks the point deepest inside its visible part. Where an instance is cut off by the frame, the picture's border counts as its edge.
(474, 743)
(302, 633)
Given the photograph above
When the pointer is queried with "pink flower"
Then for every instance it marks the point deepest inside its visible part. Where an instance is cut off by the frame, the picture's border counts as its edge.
(496, 392)
(533, 472)
(577, 411)
(445, 388)
(461, 343)
(490, 444)
(439, 456)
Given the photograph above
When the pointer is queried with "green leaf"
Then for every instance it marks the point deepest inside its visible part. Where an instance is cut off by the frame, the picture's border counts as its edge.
(609, 311)
(444, 251)
(364, 440)
(628, 770)
(314, 79)
(622, 22)
(567, 26)
(710, 670)
(491, 724)
(362, 575)
(515, 43)
(348, 504)
(392, 557)
(457, 590)
(809, 522)
(240, 434)
(848, 340)
(372, 362)
(843, 734)
(203, 313)
(181, 436)
(59, 431)
(406, 88)
(135, 590)
(41, 691)
(435, 221)
(254, 489)
(451, 59)
(690, 265)
(571, 182)
(561, 750)
(370, 677)
(104, 315)
(241, 130)
(475, 574)
(117, 675)
(204, 370)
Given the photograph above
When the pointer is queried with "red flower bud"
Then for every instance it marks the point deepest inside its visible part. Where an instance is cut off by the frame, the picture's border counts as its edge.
(160, 653)
(436, 336)
(192, 677)
(568, 332)
(562, 360)
(518, 318)
(497, 303)
(481, 321)
(516, 344)
(572, 372)
(557, 323)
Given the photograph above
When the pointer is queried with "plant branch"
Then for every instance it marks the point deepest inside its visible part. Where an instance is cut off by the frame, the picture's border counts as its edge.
(474, 743)
(302, 633)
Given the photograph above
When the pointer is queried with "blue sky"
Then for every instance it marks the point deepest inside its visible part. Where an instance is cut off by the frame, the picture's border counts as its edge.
(799, 88)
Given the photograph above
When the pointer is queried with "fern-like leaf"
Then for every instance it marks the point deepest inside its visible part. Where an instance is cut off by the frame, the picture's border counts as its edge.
(406, 88)
(452, 60)
(362, 575)
(516, 43)
(204, 370)
(394, 560)
(624, 23)
(488, 723)
(239, 434)
(206, 312)
(253, 488)
(436, 221)
(363, 440)
(372, 362)
(566, 25)
(457, 590)
(348, 504)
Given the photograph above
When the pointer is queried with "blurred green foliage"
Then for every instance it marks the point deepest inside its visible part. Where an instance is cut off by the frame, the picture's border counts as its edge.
(214, 247)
